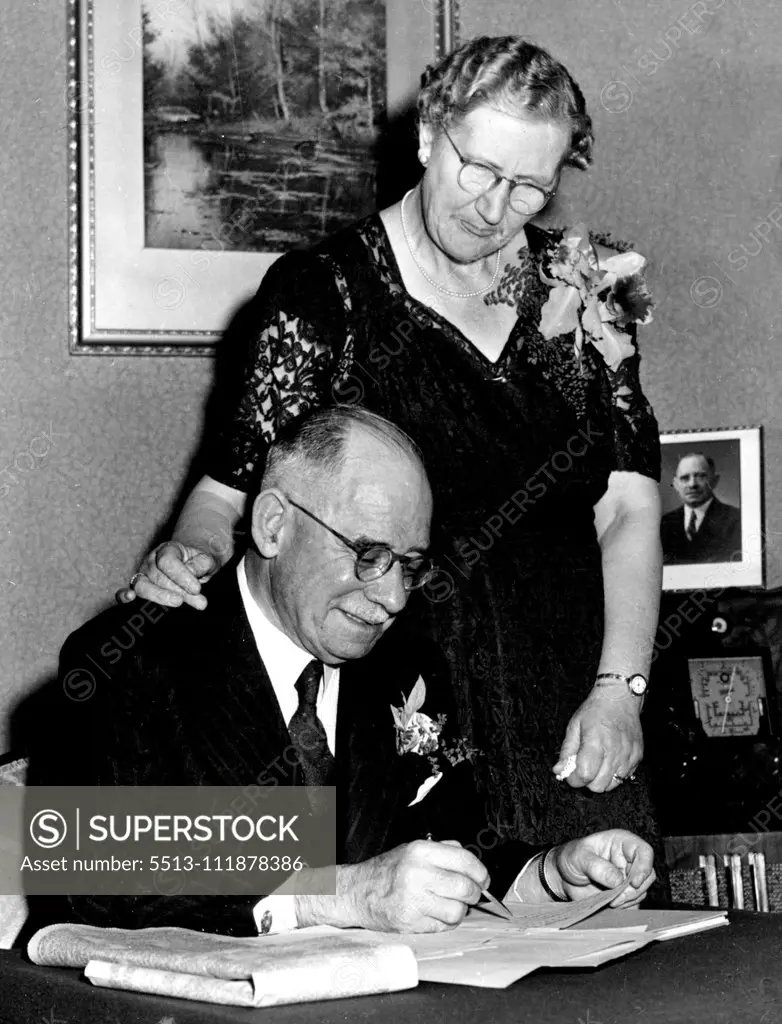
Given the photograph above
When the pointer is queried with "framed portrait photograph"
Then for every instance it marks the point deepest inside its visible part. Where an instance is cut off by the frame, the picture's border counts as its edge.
(208, 138)
(712, 498)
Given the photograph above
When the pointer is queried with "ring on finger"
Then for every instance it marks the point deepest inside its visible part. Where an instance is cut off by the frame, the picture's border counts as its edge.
(617, 778)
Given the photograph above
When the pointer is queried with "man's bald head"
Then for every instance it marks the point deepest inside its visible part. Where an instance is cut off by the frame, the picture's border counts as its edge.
(318, 443)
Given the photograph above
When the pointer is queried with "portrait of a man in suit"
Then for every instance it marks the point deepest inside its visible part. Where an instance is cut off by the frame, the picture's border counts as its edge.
(704, 528)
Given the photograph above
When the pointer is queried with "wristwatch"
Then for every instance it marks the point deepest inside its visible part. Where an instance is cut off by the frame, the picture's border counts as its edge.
(637, 684)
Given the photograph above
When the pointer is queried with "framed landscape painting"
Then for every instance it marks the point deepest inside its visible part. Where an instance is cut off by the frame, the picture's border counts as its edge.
(208, 138)
(712, 504)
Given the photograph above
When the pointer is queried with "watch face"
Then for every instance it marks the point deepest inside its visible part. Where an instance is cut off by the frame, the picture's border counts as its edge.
(637, 684)
(728, 694)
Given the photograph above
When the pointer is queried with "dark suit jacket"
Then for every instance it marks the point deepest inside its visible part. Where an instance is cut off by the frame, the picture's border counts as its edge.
(717, 540)
(188, 701)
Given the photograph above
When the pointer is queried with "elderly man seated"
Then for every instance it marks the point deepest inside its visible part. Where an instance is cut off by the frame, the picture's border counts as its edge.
(340, 532)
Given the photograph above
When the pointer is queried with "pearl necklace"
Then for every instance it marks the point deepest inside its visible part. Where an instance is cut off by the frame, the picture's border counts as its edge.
(432, 282)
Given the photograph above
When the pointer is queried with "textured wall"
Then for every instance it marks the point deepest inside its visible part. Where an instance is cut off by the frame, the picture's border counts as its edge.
(120, 431)
(686, 104)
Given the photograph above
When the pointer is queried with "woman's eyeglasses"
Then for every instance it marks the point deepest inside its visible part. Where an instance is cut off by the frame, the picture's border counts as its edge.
(477, 178)
(375, 560)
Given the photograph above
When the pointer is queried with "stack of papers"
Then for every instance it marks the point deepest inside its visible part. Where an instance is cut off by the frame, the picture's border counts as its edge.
(488, 951)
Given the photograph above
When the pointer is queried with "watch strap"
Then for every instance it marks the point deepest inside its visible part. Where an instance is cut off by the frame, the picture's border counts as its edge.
(627, 680)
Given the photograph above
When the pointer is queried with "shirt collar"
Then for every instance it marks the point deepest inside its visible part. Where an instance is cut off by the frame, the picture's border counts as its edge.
(284, 659)
(701, 511)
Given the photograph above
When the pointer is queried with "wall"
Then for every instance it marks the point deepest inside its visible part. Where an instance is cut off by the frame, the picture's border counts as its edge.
(120, 431)
(685, 98)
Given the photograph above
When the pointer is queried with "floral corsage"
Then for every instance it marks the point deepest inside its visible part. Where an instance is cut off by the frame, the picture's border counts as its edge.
(594, 296)
(417, 733)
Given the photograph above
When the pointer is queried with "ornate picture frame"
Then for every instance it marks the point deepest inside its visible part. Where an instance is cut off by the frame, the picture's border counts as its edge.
(125, 298)
(725, 545)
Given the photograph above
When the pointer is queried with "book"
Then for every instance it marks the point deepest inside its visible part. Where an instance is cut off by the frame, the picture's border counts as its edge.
(296, 967)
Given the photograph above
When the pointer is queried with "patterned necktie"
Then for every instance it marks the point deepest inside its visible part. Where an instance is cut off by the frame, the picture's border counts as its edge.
(692, 525)
(307, 732)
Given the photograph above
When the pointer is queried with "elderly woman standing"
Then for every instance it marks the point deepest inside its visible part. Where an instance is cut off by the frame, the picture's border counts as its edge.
(441, 313)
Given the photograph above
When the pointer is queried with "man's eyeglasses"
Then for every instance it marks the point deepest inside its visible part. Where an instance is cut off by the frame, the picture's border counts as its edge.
(375, 560)
(477, 178)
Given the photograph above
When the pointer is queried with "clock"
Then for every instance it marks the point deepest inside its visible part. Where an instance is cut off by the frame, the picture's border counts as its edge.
(729, 695)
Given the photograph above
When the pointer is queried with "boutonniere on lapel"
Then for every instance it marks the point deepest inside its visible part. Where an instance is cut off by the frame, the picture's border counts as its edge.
(594, 295)
(418, 733)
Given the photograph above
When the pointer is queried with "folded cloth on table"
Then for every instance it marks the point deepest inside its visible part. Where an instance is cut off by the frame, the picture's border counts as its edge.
(302, 966)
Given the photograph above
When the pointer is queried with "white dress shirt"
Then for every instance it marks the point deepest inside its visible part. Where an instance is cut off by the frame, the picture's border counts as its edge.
(285, 661)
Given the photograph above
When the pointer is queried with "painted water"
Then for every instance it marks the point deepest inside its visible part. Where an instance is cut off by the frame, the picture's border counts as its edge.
(230, 189)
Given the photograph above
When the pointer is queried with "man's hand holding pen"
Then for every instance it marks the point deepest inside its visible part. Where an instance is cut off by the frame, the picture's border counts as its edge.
(422, 886)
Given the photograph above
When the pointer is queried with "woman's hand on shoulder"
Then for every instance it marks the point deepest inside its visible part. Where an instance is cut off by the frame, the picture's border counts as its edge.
(171, 575)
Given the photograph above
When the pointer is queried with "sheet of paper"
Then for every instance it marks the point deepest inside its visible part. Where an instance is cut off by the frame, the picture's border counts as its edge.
(476, 969)
(478, 928)
(661, 924)
(506, 958)
(548, 949)
(446, 945)
(601, 956)
(548, 915)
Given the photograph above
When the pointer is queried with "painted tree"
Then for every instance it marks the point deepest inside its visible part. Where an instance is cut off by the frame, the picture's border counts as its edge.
(275, 22)
(293, 59)
(337, 62)
(230, 68)
(153, 73)
(322, 100)
(361, 46)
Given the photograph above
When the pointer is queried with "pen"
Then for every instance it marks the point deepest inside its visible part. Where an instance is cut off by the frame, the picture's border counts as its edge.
(498, 905)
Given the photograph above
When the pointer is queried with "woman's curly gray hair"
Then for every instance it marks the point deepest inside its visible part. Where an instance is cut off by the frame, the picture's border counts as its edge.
(513, 75)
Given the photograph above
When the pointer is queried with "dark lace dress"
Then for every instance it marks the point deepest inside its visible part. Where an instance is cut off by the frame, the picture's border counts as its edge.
(518, 453)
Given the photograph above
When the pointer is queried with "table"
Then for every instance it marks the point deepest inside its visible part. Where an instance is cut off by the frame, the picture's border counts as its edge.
(726, 976)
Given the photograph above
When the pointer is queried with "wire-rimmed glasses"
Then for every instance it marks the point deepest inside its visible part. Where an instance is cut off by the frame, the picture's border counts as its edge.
(477, 178)
(374, 560)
